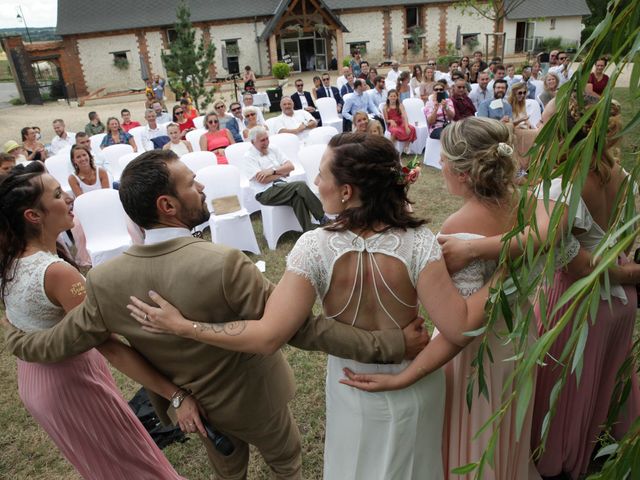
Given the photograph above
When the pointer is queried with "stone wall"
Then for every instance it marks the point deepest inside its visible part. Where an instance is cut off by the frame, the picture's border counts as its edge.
(363, 27)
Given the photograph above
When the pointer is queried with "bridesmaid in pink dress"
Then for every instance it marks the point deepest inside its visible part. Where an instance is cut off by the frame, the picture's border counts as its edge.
(396, 119)
(75, 401)
(215, 139)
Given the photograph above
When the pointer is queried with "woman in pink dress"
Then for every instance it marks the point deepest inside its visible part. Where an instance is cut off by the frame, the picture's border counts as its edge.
(215, 139)
(395, 117)
(75, 401)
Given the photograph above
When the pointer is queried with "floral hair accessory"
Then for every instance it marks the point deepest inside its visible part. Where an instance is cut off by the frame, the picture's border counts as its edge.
(409, 173)
(505, 149)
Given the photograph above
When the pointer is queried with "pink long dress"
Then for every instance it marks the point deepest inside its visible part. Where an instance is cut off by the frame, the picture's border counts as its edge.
(76, 401)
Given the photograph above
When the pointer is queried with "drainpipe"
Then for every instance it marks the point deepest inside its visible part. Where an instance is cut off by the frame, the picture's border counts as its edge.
(255, 31)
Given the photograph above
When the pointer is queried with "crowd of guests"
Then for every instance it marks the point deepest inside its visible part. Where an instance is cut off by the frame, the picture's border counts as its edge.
(371, 265)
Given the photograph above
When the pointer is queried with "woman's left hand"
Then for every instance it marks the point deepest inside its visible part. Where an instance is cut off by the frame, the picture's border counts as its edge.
(189, 416)
(376, 382)
(162, 319)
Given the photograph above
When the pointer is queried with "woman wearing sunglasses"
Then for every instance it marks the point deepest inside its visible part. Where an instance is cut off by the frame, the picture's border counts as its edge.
(215, 139)
(184, 123)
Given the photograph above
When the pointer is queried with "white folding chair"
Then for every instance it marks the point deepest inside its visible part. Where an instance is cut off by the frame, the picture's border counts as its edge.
(327, 107)
(235, 156)
(137, 136)
(272, 125)
(534, 112)
(193, 137)
(198, 122)
(432, 153)
(321, 135)
(277, 220)
(289, 145)
(96, 140)
(196, 161)
(347, 96)
(310, 157)
(104, 223)
(59, 166)
(232, 229)
(415, 116)
(112, 155)
(539, 84)
(124, 160)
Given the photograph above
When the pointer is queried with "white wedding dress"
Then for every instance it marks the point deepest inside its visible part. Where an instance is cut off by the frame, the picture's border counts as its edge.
(387, 435)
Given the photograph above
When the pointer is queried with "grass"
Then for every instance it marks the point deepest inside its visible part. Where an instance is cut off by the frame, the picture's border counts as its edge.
(27, 453)
(5, 71)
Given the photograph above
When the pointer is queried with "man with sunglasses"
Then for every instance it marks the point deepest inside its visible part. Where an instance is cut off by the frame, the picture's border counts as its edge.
(302, 101)
(563, 70)
(462, 104)
(236, 112)
(326, 90)
(227, 120)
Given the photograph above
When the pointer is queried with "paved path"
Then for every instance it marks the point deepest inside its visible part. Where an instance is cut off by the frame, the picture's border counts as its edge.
(8, 91)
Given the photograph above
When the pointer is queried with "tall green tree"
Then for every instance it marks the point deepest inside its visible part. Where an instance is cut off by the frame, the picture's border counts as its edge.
(188, 63)
(555, 156)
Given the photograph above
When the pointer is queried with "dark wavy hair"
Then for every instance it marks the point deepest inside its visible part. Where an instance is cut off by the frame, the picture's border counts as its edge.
(75, 166)
(371, 165)
(20, 190)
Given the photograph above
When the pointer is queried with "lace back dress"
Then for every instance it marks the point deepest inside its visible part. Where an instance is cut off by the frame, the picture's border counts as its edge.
(76, 401)
(386, 435)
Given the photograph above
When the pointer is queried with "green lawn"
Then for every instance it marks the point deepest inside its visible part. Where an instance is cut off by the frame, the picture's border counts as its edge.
(27, 453)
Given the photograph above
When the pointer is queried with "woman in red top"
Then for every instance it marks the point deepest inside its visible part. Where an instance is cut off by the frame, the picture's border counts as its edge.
(216, 139)
(597, 80)
(185, 124)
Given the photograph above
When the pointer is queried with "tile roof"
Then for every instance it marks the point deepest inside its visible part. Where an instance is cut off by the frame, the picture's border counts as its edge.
(549, 8)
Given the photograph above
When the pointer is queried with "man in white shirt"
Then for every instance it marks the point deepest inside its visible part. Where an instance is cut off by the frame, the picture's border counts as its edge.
(392, 76)
(161, 116)
(293, 121)
(267, 169)
(63, 139)
(563, 70)
(151, 130)
(342, 79)
(480, 91)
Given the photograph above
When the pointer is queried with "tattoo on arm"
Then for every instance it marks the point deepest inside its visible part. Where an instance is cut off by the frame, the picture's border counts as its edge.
(77, 289)
(230, 328)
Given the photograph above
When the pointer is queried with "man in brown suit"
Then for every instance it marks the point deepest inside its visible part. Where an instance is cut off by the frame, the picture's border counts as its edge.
(244, 396)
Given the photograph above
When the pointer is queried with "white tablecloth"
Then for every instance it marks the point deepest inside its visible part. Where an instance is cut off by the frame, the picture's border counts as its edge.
(261, 99)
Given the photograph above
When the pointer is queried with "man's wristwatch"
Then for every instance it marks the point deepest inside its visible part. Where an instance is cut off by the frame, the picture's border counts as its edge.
(178, 397)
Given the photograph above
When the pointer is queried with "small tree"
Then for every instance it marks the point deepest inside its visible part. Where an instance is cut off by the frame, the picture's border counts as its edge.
(188, 65)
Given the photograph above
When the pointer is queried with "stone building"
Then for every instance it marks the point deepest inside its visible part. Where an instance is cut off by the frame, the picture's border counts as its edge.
(100, 37)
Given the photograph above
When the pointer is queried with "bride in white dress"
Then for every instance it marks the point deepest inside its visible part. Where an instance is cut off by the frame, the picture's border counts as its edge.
(370, 268)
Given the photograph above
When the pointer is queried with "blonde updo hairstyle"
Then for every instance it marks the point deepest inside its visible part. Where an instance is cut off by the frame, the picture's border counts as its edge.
(603, 165)
(481, 148)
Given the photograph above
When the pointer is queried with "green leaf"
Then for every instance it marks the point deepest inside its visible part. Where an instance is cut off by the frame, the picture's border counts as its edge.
(469, 467)
(608, 450)
(522, 405)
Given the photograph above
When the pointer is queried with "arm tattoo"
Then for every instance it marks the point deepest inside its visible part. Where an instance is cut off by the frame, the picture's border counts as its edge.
(230, 328)
(77, 289)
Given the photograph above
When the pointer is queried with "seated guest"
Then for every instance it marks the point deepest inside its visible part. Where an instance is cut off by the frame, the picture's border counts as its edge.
(392, 75)
(94, 126)
(34, 149)
(439, 112)
(16, 150)
(526, 79)
(293, 121)
(378, 93)
(235, 109)
(302, 101)
(481, 92)
(127, 124)
(477, 57)
(462, 104)
(403, 87)
(551, 84)
(563, 70)
(358, 102)
(360, 122)
(268, 169)
(177, 144)
(342, 79)
(498, 74)
(364, 73)
(498, 108)
(329, 91)
(216, 139)
(153, 136)
(375, 128)
(416, 78)
(86, 175)
(117, 136)
(227, 120)
(251, 119)
(161, 115)
(317, 83)
(83, 140)
(597, 79)
(190, 111)
(180, 118)
(63, 139)
(524, 131)
(474, 71)
(247, 101)
(371, 78)
(7, 162)
(510, 75)
(428, 81)
(348, 85)
(395, 117)
(536, 70)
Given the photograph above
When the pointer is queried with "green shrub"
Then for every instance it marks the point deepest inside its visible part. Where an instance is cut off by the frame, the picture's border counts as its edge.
(443, 62)
(346, 62)
(16, 101)
(281, 70)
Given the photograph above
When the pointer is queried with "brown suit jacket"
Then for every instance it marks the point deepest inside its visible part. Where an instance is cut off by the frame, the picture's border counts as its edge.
(207, 283)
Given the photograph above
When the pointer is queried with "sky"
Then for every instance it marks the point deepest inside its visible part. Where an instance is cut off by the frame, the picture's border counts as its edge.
(38, 13)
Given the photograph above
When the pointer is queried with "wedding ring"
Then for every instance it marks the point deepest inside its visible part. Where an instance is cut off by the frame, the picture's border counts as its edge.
(146, 317)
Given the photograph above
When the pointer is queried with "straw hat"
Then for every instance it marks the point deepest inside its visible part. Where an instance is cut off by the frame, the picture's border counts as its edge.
(10, 146)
